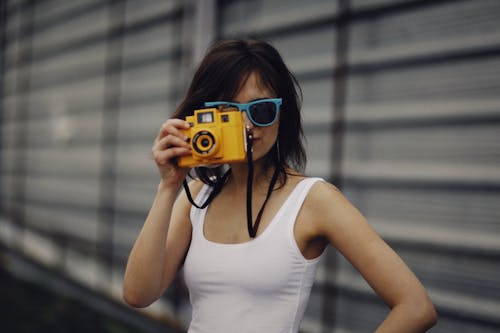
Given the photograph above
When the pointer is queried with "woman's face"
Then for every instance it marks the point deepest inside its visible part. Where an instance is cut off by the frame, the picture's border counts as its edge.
(264, 137)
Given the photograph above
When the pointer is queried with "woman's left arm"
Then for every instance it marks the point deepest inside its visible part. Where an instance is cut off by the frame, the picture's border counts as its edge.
(337, 220)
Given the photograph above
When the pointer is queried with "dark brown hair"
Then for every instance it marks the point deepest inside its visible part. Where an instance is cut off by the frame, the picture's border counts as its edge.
(221, 74)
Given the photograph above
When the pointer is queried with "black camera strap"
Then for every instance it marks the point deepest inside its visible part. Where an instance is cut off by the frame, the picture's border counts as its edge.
(252, 227)
(217, 188)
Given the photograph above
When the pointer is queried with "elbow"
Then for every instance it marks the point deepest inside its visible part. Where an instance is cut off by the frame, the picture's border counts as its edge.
(418, 314)
(135, 298)
(431, 317)
(426, 314)
(139, 292)
(133, 301)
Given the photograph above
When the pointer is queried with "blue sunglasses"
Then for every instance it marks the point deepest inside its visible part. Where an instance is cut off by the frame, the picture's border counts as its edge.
(262, 112)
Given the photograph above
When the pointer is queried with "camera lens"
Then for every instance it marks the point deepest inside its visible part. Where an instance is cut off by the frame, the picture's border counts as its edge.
(204, 143)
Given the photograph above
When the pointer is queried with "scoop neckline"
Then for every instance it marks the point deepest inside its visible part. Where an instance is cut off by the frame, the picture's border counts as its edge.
(263, 234)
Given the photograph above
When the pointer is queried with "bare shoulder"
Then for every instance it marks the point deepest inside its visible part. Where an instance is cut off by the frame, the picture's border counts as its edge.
(328, 209)
(195, 187)
(182, 205)
(322, 194)
(180, 222)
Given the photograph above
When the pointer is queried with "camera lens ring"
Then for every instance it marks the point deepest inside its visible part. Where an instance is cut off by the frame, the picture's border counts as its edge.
(204, 143)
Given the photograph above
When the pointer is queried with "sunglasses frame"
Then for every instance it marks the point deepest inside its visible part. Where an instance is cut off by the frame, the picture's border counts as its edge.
(246, 107)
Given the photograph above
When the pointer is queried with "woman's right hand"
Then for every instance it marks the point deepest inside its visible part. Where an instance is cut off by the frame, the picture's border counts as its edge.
(170, 144)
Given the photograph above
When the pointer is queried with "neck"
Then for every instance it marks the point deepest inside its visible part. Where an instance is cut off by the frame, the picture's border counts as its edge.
(261, 178)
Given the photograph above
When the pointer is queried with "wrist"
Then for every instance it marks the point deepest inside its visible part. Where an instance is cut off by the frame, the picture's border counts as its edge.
(165, 186)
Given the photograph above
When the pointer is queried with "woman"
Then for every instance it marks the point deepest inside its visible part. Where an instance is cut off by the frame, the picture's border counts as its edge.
(239, 282)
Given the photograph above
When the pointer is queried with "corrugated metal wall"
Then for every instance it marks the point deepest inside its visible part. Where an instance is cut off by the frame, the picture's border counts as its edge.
(85, 86)
(401, 109)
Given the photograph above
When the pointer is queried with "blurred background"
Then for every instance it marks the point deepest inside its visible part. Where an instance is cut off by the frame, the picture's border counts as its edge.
(401, 111)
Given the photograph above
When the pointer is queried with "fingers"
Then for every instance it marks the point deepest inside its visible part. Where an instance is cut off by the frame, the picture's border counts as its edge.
(163, 157)
(171, 142)
(173, 127)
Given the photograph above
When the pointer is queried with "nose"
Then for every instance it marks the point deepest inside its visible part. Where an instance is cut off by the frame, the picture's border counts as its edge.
(246, 121)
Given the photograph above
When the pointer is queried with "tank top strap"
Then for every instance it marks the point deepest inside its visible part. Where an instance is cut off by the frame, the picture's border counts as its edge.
(296, 199)
(198, 215)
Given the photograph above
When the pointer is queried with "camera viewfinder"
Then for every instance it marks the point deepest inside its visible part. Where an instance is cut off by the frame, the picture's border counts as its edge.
(205, 117)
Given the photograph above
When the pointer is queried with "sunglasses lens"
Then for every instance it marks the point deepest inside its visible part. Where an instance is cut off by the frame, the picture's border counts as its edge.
(263, 113)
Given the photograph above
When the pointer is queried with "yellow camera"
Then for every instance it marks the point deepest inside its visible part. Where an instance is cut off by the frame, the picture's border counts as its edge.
(216, 137)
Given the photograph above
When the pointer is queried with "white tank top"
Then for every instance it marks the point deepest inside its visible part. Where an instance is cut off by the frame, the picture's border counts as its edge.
(262, 285)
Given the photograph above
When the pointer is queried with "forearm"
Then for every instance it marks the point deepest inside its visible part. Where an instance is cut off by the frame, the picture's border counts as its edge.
(407, 318)
(143, 275)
